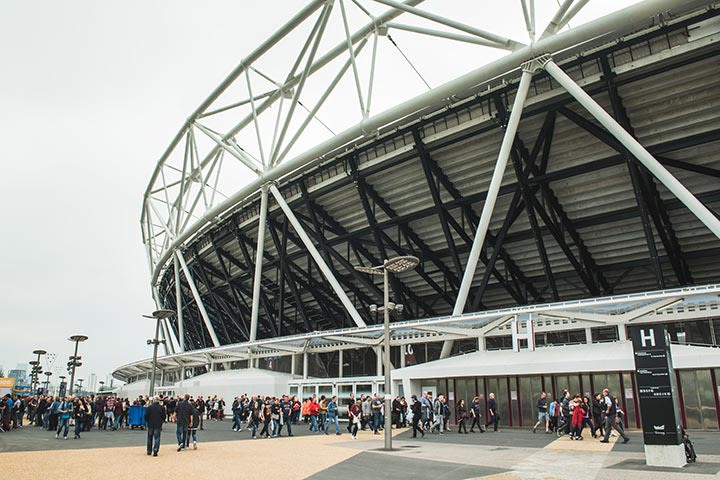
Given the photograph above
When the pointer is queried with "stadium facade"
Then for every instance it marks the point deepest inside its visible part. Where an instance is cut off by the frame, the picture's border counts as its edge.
(554, 196)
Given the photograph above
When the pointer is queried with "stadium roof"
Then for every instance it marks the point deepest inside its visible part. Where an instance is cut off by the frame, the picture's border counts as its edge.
(577, 215)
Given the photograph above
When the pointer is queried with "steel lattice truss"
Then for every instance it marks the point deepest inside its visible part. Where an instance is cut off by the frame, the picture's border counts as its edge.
(580, 211)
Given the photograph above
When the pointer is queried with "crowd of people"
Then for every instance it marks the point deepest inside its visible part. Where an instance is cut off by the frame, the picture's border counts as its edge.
(269, 416)
(569, 415)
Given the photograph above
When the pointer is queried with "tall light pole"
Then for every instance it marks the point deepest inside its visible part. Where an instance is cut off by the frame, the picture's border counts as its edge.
(77, 339)
(39, 368)
(47, 382)
(394, 265)
(61, 387)
(157, 315)
(33, 374)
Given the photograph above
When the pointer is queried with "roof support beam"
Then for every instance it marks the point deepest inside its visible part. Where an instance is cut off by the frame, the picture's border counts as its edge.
(318, 259)
(233, 291)
(544, 137)
(435, 193)
(217, 293)
(198, 299)
(672, 184)
(257, 278)
(178, 305)
(621, 116)
(493, 190)
(425, 252)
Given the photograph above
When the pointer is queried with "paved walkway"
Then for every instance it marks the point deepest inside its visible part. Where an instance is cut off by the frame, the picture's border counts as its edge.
(224, 454)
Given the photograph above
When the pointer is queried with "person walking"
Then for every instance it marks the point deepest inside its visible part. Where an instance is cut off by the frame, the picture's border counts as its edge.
(193, 426)
(286, 410)
(476, 414)
(542, 413)
(493, 416)
(611, 411)
(438, 417)
(64, 414)
(79, 411)
(462, 416)
(355, 417)
(598, 409)
(183, 410)
(332, 415)
(154, 418)
(237, 411)
(416, 409)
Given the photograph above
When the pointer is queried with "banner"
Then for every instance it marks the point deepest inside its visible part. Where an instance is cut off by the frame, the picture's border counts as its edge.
(6, 385)
(409, 355)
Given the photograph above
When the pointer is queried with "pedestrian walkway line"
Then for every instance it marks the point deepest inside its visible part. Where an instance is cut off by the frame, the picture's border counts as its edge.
(589, 444)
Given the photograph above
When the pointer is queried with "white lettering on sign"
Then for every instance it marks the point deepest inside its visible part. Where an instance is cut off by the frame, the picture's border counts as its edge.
(644, 337)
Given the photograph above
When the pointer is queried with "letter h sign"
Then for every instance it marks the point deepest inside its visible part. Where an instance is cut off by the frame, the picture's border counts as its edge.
(647, 335)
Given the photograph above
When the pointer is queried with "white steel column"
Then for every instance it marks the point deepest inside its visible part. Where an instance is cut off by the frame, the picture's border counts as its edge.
(259, 252)
(340, 363)
(305, 365)
(292, 364)
(317, 257)
(493, 190)
(378, 363)
(196, 296)
(638, 151)
(178, 306)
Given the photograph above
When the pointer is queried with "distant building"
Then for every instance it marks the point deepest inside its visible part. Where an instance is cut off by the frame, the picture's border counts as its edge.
(92, 383)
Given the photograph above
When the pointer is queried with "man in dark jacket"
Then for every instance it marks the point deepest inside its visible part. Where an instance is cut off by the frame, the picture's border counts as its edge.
(154, 417)
(416, 409)
(183, 410)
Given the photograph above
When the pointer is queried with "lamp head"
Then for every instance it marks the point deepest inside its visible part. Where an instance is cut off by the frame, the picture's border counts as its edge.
(401, 264)
(78, 338)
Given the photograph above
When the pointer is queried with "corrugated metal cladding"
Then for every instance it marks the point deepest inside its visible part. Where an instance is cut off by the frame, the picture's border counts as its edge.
(572, 227)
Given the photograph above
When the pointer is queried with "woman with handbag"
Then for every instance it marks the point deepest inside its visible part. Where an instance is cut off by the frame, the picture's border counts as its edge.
(355, 416)
(462, 416)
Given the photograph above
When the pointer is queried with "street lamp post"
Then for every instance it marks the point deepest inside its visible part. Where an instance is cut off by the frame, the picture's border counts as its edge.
(394, 265)
(61, 387)
(101, 385)
(38, 352)
(33, 374)
(47, 382)
(79, 385)
(157, 315)
(77, 339)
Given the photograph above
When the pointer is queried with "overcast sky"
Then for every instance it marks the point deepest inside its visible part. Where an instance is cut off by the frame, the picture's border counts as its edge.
(91, 93)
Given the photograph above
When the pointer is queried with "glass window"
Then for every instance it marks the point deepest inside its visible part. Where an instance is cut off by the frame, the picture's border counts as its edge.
(363, 389)
(557, 338)
(433, 351)
(461, 347)
(577, 336)
(689, 385)
(604, 334)
(698, 332)
(326, 390)
(503, 342)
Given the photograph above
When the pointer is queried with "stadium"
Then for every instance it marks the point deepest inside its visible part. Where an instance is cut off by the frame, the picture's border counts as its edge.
(554, 193)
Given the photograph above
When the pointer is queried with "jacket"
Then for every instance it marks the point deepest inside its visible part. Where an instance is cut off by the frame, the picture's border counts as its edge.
(183, 410)
(155, 416)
